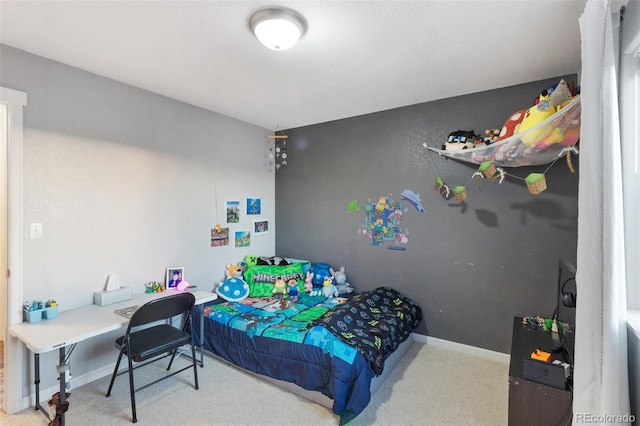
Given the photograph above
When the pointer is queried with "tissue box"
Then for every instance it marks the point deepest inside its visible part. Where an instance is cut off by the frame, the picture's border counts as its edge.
(103, 298)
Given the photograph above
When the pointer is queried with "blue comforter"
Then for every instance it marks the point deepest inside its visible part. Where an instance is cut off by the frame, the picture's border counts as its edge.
(375, 322)
(285, 341)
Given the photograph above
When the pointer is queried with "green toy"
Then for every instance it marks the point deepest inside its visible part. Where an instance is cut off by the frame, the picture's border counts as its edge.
(353, 206)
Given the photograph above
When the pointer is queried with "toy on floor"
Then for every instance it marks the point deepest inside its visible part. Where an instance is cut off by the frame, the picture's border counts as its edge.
(340, 278)
(59, 408)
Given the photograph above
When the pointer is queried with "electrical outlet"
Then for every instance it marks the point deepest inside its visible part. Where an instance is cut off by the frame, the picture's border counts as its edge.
(35, 231)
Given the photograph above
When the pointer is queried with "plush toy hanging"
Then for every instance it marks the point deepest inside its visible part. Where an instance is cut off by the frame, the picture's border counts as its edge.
(460, 192)
(487, 169)
(438, 183)
(536, 183)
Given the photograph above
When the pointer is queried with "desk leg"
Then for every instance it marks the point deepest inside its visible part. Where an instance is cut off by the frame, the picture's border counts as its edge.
(202, 340)
(36, 366)
(63, 383)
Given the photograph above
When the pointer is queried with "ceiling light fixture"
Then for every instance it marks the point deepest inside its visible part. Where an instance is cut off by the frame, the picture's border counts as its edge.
(277, 28)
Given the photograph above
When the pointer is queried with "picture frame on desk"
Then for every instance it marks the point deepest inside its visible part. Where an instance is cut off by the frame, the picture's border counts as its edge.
(173, 277)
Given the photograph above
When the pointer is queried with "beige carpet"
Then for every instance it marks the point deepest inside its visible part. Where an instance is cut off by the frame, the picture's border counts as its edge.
(430, 386)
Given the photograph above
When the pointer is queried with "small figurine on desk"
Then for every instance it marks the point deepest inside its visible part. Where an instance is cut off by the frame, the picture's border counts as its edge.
(154, 287)
(34, 306)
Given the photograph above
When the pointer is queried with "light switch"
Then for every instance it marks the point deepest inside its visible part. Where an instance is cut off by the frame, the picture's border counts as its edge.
(35, 231)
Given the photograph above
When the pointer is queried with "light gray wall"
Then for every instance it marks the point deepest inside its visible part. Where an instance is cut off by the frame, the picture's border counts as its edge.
(471, 267)
(124, 182)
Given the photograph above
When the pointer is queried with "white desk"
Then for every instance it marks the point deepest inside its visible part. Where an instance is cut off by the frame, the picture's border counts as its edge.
(76, 325)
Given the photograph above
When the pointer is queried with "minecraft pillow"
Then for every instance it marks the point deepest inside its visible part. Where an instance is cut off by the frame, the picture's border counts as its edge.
(261, 278)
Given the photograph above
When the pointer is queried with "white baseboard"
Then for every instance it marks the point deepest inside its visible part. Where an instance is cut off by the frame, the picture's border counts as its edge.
(45, 394)
(459, 347)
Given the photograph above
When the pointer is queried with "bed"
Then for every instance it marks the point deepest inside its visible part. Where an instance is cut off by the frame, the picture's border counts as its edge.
(334, 351)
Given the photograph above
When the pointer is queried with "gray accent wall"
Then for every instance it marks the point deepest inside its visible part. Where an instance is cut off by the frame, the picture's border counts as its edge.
(471, 266)
(124, 182)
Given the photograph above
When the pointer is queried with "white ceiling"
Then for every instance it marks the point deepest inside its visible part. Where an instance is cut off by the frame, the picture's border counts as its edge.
(357, 57)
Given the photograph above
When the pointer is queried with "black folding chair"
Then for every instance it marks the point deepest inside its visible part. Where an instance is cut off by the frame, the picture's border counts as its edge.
(151, 337)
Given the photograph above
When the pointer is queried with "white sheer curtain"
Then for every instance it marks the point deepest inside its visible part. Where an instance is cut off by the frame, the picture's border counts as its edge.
(601, 384)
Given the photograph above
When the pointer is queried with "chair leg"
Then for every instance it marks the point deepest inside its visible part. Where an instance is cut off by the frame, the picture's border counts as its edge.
(115, 373)
(132, 390)
(173, 356)
(195, 365)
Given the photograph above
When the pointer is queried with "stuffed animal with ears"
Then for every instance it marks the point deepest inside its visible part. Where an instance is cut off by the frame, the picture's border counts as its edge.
(328, 289)
(308, 282)
(233, 271)
(340, 278)
(233, 288)
(319, 272)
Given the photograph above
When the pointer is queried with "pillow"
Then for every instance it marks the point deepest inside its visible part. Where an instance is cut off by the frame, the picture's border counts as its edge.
(273, 260)
(306, 264)
(261, 278)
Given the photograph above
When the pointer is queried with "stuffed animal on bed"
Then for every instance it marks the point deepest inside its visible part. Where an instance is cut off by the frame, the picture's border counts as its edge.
(234, 271)
(279, 288)
(234, 288)
(328, 289)
(251, 260)
(308, 282)
(320, 272)
(292, 289)
(340, 278)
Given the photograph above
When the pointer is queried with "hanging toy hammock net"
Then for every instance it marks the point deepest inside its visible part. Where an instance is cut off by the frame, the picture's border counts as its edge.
(540, 144)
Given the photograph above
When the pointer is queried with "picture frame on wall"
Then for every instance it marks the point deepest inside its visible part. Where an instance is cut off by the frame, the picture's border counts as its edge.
(233, 211)
(243, 238)
(260, 226)
(174, 276)
(254, 206)
(219, 237)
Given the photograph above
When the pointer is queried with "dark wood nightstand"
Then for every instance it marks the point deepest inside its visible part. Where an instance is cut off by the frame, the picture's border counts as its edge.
(532, 403)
